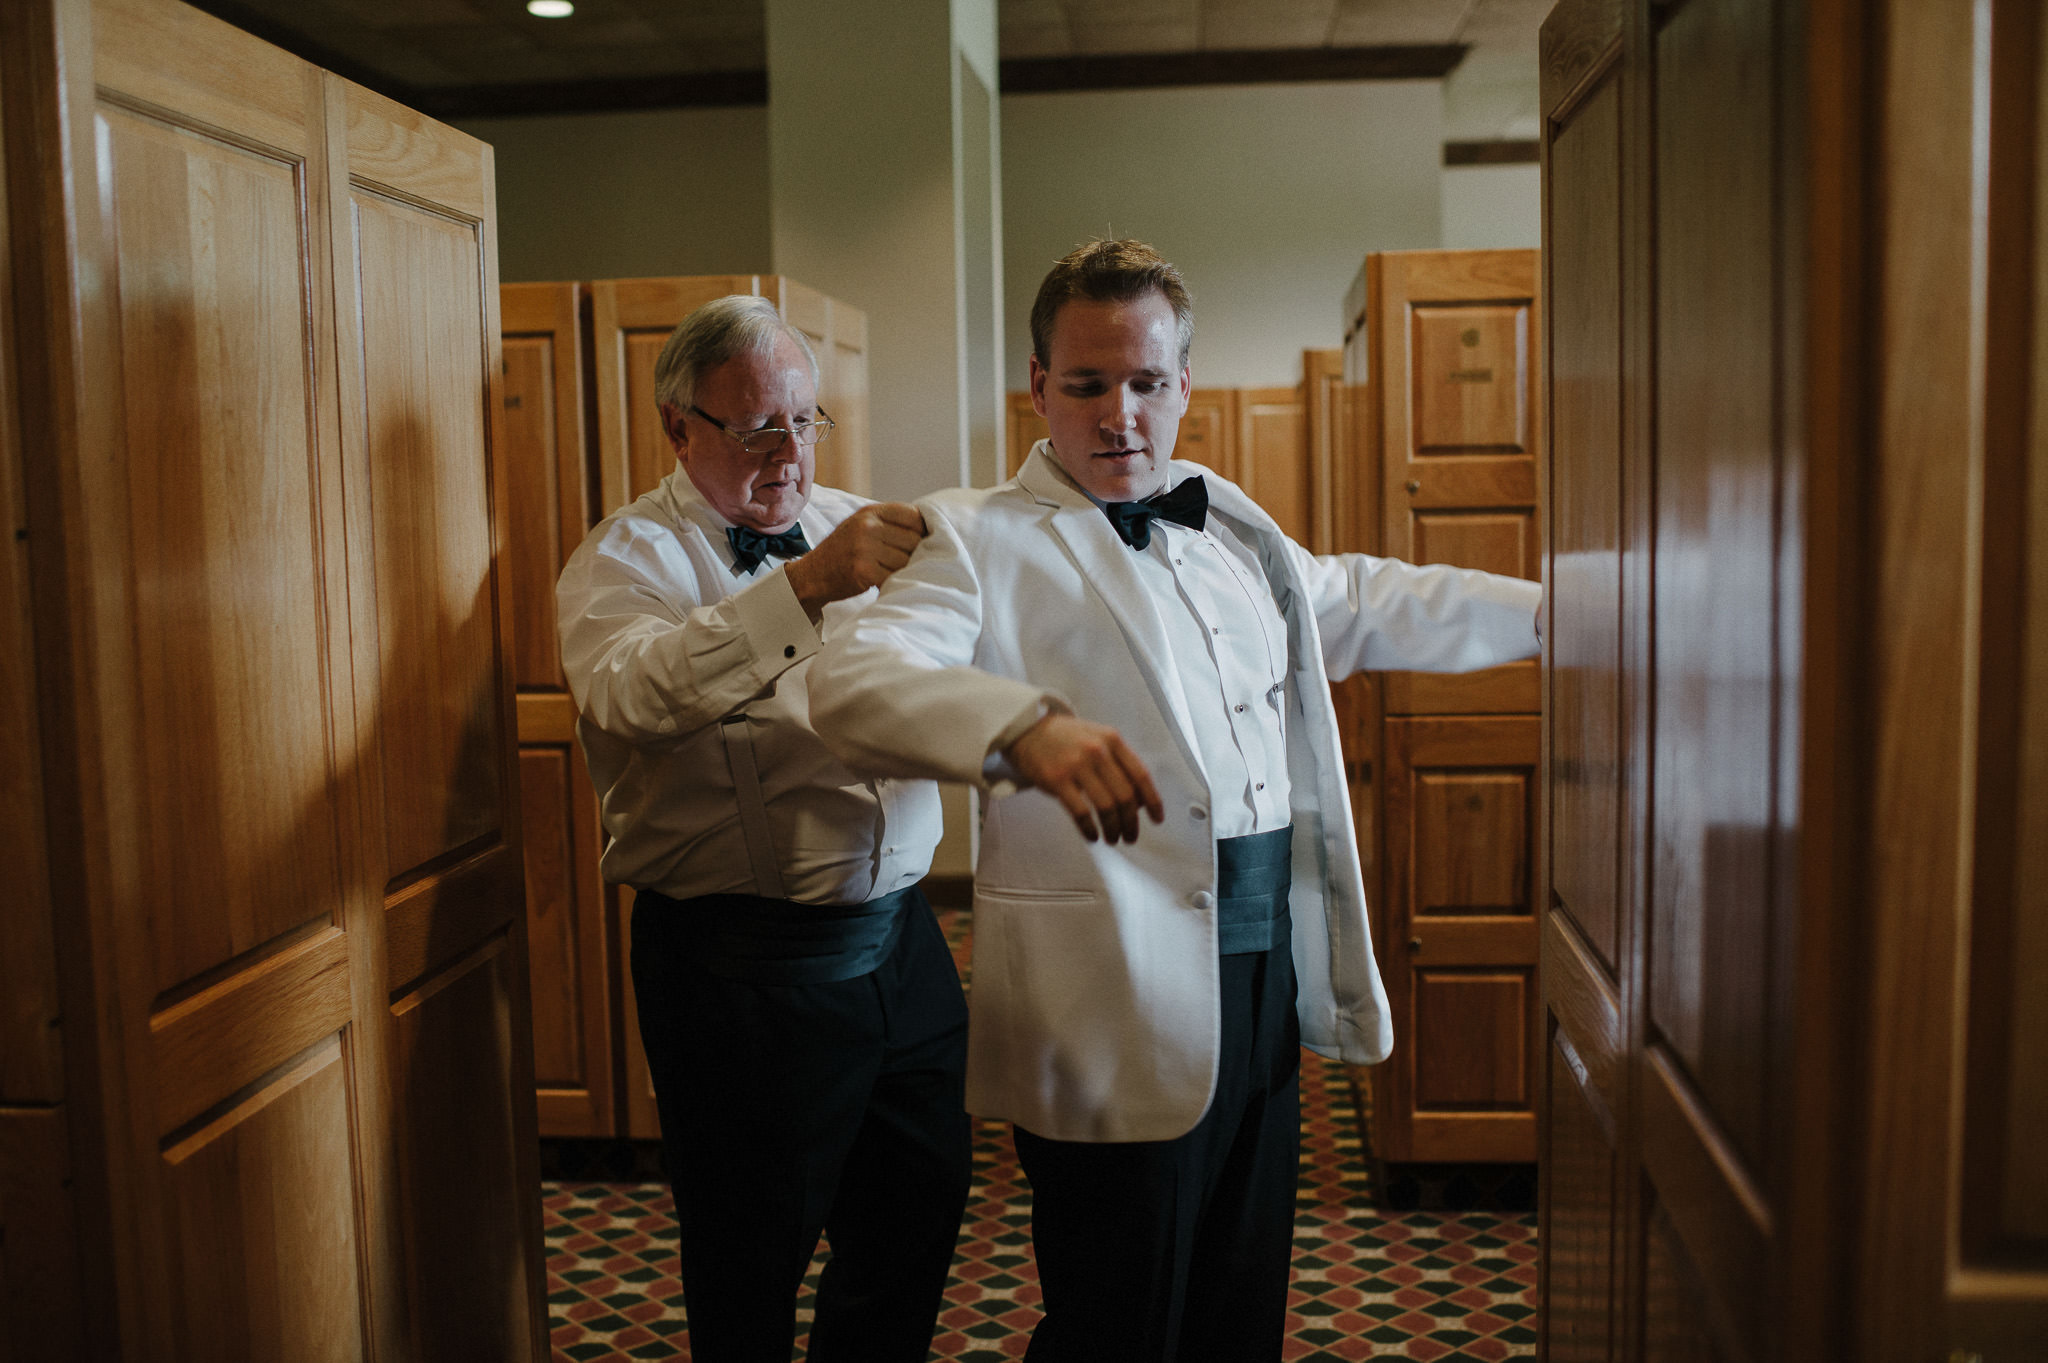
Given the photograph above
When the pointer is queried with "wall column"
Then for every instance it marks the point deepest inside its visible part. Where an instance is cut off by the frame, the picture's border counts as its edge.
(885, 184)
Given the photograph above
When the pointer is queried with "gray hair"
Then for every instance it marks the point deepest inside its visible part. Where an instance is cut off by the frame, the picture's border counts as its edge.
(721, 330)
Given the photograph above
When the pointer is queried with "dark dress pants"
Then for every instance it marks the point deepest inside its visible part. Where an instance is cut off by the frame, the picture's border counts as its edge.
(1178, 1251)
(791, 1109)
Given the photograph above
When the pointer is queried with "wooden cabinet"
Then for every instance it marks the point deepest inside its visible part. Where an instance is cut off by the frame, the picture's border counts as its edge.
(1441, 364)
(583, 437)
(258, 482)
(1792, 1004)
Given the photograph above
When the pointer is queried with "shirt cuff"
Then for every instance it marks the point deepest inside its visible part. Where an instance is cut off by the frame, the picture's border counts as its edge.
(777, 626)
(997, 775)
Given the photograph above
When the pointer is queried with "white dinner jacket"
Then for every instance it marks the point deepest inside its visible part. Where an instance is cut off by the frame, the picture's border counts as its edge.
(1094, 1000)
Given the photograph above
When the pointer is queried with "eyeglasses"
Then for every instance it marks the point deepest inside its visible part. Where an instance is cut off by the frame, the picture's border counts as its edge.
(768, 439)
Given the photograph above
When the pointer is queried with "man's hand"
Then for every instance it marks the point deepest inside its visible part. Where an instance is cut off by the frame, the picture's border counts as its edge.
(868, 546)
(1089, 769)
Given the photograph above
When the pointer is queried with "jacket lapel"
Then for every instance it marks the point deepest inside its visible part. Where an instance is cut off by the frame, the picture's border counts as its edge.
(1106, 563)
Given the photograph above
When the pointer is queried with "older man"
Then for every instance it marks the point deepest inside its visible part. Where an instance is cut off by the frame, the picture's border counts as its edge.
(802, 1016)
(1112, 632)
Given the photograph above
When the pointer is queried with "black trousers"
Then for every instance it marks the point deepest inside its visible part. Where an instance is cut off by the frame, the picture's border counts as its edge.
(1178, 1251)
(787, 1110)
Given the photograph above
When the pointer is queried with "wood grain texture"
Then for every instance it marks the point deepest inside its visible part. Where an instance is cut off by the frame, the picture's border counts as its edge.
(31, 1051)
(565, 904)
(643, 1117)
(1579, 1206)
(547, 494)
(228, 541)
(1578, 40)
(1326, 419)
(1584, 634)
(422, 315)
(1273, 460)
(227, 1037)
(455, 1059)
(1716, 679)
(42, 1288)
(262, 1214)
(1458, 942)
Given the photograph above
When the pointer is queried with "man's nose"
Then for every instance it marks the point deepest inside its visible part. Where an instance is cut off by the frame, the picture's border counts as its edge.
(1120, 412)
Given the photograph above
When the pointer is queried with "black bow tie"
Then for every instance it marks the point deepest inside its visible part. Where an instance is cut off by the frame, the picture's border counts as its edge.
(750, 547)
(1186, 505)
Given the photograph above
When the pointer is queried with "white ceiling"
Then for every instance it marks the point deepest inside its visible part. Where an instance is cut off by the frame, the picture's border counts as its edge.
(457, 43)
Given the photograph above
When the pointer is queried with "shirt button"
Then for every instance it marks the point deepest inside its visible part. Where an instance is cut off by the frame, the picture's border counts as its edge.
(1202, 900)
(1215, 629)
(789, 651)
(1240, 709)
(1260, 786)
(1197, 813)
(890, 851)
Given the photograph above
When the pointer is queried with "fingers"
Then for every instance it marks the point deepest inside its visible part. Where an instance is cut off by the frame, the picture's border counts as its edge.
(902, 515)
(1145, 793)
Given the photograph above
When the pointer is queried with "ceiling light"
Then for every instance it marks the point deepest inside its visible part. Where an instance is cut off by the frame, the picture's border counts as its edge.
(550, 9)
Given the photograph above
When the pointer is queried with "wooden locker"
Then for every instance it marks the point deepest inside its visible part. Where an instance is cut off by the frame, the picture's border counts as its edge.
(1273, 462)
(1442, 344)
(256, 339)
(550, 508)
(632, 319)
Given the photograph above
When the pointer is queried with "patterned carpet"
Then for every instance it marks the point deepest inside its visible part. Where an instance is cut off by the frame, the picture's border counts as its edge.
(1367, 1283)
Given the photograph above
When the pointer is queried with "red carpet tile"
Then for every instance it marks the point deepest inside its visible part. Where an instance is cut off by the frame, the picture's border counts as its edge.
(1367, 1284)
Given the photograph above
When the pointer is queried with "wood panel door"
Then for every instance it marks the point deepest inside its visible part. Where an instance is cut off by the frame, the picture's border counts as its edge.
(1273, 463)
(1457, 911)
(630, 322)
(549, 507)
(1594, 795)
(1455, 344)
(267, 594)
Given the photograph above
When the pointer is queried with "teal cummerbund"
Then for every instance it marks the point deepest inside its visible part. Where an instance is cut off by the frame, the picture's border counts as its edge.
(1252, 877)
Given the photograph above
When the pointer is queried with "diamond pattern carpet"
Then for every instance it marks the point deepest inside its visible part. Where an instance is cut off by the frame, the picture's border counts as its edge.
(1367, 1283)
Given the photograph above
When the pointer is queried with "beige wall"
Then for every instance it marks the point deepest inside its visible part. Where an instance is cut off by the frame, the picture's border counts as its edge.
(1267, 196)
(614, 196)
(1492, 206)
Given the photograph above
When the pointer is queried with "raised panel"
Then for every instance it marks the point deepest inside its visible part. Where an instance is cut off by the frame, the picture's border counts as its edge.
(650, 456)
(1472, 840)
(225, 531)
(1679, 1323)
(1501, 542)
(1578, 1226)
(844, 460)
(41, 1288)
(1586, 772)
(1273, 465)
(1208, 432)
(453, 1068)
(1470, 368)
(1470, 1041)
(1716, 685)
(423, 365)
(263, 1222)
(553, 949)
(533, 506)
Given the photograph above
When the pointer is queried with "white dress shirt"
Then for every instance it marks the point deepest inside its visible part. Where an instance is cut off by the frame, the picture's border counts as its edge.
(1230, 647)
(661, 640)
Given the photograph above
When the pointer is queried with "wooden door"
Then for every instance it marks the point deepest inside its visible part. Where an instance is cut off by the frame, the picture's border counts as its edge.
(1455, 345)
(549, 507)
(1595, 790)
(266, 533)
(1025, 429)
(1326, 423)
(1453, 357)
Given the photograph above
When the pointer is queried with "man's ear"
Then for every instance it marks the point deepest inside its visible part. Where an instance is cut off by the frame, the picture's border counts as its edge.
(1037, 386)
(672, 427)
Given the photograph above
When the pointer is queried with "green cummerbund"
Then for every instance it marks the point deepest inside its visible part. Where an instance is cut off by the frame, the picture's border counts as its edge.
(1252, 876)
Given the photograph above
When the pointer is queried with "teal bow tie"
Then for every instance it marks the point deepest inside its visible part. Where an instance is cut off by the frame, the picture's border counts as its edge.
(751, 547)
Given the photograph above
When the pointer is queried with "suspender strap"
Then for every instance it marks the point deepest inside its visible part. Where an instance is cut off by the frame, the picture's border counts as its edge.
(746, 785)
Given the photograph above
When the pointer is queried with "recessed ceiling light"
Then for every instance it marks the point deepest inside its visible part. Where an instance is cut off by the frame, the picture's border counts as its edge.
(550, 9)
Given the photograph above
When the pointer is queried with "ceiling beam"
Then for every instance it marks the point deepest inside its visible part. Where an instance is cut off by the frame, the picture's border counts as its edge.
(1256, 66)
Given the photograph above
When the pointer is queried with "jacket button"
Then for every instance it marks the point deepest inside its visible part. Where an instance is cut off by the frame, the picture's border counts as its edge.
(1197, 813)
(1203, 900)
